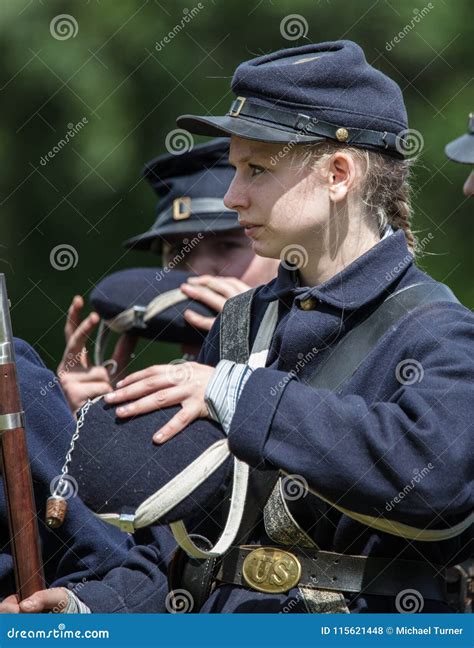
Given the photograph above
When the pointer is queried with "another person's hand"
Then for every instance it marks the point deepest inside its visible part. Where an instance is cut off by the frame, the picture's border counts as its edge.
(49, 600)
(161, 386)
(79, 379)
(213, 292)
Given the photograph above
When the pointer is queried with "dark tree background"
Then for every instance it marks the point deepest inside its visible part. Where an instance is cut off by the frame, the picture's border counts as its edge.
(109, 74)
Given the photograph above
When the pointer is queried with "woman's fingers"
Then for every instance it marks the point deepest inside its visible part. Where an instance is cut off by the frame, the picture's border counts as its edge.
(204, 295)
(186, 415)
(10, 605)
(78, 393)
(154, 401)
(226, 286)
(136, 376)
(122, 353)
(54, 600)
(73, 318)
(75, 355)
(198, 321)
(139, 389)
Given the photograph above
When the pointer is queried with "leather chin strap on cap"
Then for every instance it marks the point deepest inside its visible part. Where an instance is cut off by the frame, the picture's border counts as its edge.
(302, 124)
(136, 317)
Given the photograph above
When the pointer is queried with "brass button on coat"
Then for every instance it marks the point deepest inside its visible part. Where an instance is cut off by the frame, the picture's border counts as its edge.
(308, 304)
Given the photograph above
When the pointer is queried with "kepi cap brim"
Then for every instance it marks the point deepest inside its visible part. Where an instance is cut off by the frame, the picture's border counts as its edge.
(244, 127)
(461, 149)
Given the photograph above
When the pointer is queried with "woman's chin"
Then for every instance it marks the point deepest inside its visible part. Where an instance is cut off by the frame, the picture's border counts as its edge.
(264, 248)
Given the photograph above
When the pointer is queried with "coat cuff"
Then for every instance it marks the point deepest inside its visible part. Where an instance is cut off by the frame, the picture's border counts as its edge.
(255, 411)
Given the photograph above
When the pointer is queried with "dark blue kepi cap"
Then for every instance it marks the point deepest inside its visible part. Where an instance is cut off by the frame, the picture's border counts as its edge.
(146, 302)
(462, 149)
(190, 189)
(130, 482)
(309, 94)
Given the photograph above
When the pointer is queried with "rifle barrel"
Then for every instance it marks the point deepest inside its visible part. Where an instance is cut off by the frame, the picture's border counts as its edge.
(19, 496)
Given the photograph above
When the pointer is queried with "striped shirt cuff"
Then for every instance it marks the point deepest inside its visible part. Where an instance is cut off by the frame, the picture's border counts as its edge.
(224, 389)
(75, 605)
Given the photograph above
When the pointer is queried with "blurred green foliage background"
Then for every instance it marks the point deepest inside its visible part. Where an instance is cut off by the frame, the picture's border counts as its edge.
(112, 74)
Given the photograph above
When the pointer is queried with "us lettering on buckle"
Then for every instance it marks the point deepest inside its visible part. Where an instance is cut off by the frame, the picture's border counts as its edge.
(271, 570)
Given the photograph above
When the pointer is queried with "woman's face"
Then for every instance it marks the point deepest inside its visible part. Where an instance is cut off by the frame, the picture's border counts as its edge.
(227, 253)
(279, 203)
(469, 186)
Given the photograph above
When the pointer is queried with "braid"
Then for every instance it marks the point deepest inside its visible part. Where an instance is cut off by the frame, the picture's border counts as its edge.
(399, 214)
(386, 192)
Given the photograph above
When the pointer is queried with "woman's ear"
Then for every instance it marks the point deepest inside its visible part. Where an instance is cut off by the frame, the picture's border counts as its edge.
(341, 176)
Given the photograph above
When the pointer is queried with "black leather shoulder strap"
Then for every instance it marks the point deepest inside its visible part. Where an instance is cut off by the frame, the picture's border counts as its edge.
(354, 347)
(343, 363)
(234, 329)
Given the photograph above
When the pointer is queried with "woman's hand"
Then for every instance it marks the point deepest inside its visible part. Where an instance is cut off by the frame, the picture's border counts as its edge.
(49, 600)
(160, 386)
(79, 379)
(213, 292)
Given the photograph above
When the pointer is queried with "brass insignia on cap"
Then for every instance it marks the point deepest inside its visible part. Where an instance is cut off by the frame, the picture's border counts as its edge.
(237, 106)
(181, 208)
(342, 134)
(271, 570)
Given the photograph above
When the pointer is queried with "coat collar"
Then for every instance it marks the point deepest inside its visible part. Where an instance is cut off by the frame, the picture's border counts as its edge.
(366, 279)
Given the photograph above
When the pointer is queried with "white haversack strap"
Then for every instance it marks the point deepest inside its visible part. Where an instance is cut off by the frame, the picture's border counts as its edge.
(174, 491)
(399, 528)
(258, 358)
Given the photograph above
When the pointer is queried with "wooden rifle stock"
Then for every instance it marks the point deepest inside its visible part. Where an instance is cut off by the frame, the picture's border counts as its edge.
(24, 538)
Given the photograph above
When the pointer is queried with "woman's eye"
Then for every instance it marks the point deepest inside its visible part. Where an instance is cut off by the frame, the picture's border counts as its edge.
(255, 170)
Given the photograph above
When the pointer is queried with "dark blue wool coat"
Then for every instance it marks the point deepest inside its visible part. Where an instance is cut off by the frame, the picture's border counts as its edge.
(83, 547)
(359, 449)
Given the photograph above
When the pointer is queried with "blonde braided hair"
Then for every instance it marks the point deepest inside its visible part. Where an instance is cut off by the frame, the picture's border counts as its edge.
(386, 191)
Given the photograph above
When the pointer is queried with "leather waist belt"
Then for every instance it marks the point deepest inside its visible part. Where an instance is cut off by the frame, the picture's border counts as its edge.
(277, 569)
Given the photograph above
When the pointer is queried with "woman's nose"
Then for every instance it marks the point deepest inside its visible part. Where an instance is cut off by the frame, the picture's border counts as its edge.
(236, 197)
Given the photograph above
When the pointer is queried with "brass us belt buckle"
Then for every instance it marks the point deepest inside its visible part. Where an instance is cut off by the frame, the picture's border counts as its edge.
(271, 570)
(181, 208)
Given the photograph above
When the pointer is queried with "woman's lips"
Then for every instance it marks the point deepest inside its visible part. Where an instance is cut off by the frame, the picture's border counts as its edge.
(250, 229)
